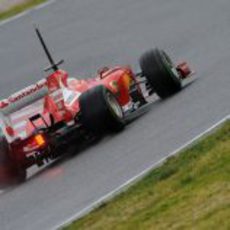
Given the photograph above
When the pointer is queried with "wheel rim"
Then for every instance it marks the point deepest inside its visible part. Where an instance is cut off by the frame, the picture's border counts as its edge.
(114, 105)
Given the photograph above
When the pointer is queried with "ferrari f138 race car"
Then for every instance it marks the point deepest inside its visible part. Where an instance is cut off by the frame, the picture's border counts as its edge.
(40, 122)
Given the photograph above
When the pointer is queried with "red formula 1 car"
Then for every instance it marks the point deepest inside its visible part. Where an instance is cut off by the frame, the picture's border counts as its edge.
(40, 122)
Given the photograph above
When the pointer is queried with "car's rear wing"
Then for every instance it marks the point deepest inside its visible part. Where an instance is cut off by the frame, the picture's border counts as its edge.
(44, 97)
(18, 105)
(24, 97)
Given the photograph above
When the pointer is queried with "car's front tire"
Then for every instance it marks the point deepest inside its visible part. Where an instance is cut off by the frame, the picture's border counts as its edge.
(160, 72)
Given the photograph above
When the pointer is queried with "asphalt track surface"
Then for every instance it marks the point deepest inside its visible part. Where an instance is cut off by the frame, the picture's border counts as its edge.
(91, 33)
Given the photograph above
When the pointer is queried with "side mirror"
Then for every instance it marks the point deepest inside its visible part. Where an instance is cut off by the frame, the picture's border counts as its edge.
(102, 71)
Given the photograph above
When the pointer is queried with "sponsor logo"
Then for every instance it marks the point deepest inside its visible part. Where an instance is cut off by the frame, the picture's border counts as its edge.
(4, 104)
(114, 85)
(23, 93)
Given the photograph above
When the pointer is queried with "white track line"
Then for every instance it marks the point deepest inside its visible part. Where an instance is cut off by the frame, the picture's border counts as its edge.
(136, 178)
(17, 16)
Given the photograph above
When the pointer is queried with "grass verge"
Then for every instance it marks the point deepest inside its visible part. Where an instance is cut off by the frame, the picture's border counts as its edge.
(190, 191)
(19, 8)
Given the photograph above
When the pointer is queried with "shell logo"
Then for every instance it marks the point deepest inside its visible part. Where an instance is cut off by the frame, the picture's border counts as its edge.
(114, 85)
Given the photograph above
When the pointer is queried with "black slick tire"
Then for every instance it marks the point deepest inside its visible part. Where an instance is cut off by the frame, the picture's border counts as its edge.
(10, 172)
(100, 111)
(160, 72)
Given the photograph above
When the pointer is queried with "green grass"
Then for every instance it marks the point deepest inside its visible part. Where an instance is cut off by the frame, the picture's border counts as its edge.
(190, 191)
(19, 8)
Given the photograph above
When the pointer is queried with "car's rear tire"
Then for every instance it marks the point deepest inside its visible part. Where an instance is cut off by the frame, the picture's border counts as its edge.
(100, 111)
(10, 172)
(160, 72)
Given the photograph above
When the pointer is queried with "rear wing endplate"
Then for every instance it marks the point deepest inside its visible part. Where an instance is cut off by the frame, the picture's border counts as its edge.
(18, 101)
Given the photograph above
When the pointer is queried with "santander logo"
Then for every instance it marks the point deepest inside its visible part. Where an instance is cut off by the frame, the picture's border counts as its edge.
(23, 93)
(4, 103)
